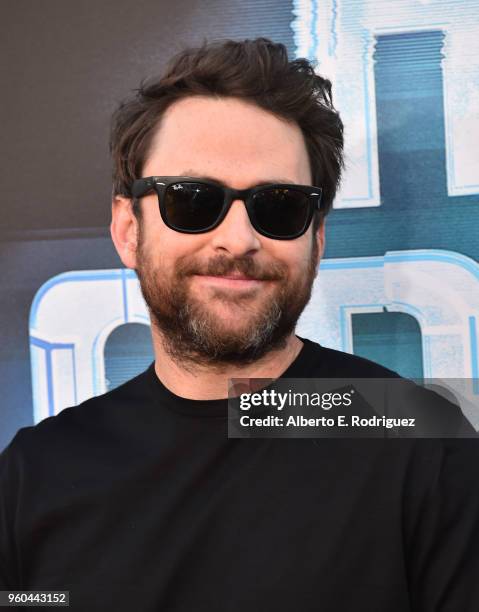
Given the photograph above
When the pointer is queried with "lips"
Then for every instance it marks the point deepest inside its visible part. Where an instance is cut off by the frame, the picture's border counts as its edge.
(231, 281)
(235, 277)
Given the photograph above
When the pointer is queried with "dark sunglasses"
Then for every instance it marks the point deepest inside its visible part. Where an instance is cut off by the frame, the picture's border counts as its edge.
(194, 206)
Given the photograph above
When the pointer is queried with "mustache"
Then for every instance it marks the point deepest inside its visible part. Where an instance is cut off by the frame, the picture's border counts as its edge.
(224, 266)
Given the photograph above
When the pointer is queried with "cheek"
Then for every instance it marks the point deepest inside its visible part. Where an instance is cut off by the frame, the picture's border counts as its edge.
(296, 254)
(169, 249)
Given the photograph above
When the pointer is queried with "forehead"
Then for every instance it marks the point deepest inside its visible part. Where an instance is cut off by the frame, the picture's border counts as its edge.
(228, 138)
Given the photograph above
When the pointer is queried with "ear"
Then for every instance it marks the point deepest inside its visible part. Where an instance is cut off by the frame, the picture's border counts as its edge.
(321, 238)
(124, 230)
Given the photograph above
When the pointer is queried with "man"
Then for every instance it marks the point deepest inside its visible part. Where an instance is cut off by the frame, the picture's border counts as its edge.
(137, 499)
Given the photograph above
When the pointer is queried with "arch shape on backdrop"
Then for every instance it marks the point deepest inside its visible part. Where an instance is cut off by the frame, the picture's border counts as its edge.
(71, 318)
(74, 313)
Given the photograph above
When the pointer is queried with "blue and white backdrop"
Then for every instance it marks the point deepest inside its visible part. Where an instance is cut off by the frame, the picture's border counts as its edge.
(399, 283)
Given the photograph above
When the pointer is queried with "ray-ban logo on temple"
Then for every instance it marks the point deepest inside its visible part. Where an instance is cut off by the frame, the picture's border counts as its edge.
(193, 206)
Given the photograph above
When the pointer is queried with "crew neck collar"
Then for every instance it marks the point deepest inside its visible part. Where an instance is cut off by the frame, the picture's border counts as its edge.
(217, 407)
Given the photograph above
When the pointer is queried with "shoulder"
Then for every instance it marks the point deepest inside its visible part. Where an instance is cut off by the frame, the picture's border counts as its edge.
(435, 415)
(75, 426)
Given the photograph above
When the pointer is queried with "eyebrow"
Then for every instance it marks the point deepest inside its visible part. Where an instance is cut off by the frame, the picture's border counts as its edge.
(193, 174)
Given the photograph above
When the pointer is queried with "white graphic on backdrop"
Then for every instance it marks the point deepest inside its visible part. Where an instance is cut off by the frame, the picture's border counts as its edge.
(73, 314)
(341, 35)
(71, 317)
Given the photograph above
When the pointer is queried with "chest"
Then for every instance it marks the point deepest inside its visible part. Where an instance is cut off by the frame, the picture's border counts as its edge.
(224, 533)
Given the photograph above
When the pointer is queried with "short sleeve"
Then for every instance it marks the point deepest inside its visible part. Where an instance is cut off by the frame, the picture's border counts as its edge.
(443, 556)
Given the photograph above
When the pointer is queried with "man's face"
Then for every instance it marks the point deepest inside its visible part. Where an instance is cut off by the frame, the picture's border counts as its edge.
(230, 295)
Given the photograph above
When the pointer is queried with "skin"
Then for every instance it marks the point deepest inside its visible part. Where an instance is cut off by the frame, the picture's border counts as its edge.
(242, 145)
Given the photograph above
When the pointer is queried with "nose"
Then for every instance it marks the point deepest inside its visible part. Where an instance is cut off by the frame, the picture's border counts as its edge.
(235, 234)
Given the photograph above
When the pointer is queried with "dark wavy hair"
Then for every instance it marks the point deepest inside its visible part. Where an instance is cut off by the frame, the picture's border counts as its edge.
(257, 71)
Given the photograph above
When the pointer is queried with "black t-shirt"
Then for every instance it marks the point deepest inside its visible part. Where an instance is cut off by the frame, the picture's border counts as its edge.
(136, 500)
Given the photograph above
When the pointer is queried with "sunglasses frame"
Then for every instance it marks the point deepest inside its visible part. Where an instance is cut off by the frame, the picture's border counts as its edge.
(143, 186)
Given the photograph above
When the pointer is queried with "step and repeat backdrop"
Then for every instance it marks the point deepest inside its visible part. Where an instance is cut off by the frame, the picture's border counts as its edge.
(399, 283)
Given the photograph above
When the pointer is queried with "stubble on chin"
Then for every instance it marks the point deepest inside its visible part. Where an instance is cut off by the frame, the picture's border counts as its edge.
(193, 333)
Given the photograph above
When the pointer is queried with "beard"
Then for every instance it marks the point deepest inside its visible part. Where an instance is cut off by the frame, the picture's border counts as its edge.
(193, 334)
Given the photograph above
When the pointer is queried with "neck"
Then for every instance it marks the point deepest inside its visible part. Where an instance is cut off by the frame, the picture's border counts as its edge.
(203, 383)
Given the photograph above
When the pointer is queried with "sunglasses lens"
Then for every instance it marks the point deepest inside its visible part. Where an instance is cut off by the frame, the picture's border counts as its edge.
(193, 207)
(277, 212)
(281, 212)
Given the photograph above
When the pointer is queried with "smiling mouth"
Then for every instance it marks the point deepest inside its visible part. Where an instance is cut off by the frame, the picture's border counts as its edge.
(234, 281)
